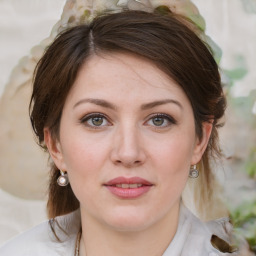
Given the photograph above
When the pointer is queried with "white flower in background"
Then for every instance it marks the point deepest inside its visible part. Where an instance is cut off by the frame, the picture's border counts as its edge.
(83, 11)
(183, 7)
(77, 11)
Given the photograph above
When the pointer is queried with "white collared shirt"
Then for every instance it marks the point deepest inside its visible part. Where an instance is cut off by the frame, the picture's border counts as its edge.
(191, 239)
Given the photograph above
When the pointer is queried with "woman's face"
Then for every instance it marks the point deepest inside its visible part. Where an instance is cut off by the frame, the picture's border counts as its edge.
(127, 140)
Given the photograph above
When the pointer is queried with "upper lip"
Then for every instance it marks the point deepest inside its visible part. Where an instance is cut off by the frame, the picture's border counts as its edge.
(131, 180)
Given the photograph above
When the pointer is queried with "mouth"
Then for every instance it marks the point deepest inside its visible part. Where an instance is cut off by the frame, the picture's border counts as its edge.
(128, 188)
(125, 185)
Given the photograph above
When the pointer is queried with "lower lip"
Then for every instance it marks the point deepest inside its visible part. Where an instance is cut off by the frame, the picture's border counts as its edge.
(128, 193)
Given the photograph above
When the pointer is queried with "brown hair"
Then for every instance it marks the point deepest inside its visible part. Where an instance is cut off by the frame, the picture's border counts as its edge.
(165, 40)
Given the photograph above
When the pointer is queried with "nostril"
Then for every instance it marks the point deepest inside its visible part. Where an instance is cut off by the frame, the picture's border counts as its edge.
(128, 163)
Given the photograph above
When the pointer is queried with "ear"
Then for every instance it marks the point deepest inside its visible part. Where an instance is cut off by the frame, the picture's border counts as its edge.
(54, 149)
(201, 144)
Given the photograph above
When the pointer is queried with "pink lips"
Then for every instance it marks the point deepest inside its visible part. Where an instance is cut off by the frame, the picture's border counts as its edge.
(128, 188)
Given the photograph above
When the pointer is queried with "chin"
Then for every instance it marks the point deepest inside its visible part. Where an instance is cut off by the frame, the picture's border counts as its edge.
(128, 221)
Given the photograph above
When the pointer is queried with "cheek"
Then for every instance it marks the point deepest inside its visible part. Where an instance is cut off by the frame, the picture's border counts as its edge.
(175, 152)
(83, 161)
(85, 158)
(172, 161)
(82, 150)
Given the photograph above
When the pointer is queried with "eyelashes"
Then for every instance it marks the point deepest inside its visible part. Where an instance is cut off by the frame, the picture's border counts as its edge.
(100, 120)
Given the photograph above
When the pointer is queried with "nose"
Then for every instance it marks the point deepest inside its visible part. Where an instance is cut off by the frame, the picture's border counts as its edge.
(127, 148)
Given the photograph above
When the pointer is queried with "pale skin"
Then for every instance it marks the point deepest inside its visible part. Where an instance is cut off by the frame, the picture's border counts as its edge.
(125, 117)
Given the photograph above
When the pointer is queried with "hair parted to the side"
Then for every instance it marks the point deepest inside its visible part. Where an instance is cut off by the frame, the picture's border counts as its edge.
(164, 40)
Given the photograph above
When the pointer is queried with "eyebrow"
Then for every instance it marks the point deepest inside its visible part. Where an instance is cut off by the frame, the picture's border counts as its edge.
(106, 104)
(159, 103)
(98, 102)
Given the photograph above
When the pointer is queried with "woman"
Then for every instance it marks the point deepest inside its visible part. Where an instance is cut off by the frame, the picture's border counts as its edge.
(128, 107)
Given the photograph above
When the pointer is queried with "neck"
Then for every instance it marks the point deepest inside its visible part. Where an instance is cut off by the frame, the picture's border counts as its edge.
(99, 239)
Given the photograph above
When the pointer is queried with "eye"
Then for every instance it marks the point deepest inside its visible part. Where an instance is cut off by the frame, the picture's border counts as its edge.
(161, 120)
(95, 120)
(158, 121)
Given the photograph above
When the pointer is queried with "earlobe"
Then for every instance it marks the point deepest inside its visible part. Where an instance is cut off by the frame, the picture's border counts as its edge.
(54, 149)
(202, 143)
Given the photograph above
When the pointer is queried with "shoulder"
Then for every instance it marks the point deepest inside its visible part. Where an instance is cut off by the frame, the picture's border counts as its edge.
(37, 239)
(209, 238)
(41, 241)
(194, 237)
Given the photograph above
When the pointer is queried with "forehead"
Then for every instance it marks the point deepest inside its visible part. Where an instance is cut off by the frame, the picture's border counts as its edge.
(124, 75)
